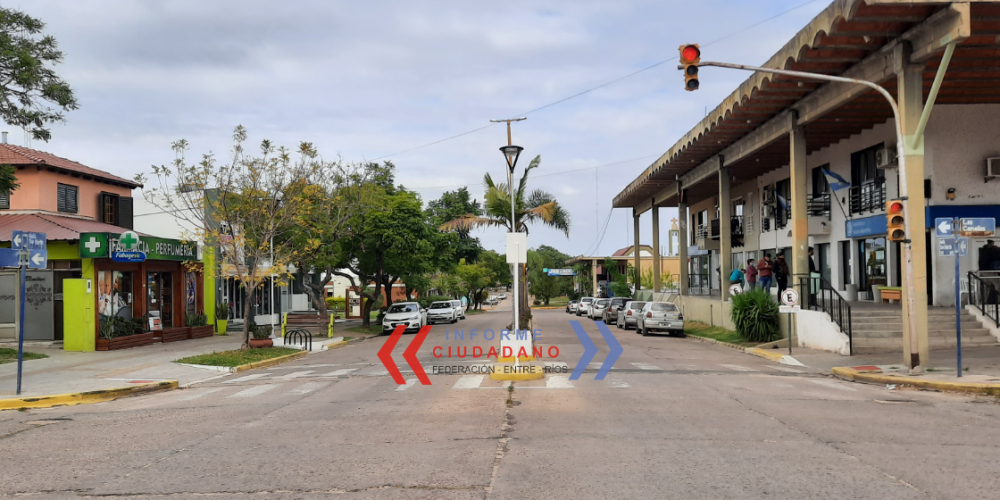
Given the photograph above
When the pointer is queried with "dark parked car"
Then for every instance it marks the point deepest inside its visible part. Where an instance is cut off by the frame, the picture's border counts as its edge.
(611, 314)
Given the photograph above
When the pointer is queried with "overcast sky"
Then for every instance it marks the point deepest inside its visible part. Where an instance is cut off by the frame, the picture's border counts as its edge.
(368, 79)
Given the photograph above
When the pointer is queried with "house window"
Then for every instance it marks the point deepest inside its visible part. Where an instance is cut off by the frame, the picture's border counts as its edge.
(5, 200)
(115, 210)
(867, 182)
(782, 208)
(67, 198)
(819, 183)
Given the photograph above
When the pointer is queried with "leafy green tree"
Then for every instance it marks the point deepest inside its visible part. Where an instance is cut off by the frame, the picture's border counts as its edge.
(474, 279)
(619, 281)
(543, 286)
(497, 264)
(585, 279)
(450, 206)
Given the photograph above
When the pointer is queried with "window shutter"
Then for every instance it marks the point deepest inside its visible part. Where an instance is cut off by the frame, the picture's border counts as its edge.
(72, 199)
(61, 197)
(4, 200)
(125, 212)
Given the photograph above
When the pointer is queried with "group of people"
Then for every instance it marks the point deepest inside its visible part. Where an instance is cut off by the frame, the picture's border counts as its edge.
(767, 272)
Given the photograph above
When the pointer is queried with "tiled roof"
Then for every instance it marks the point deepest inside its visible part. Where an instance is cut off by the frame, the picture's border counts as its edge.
(21, 156)
(56, 228)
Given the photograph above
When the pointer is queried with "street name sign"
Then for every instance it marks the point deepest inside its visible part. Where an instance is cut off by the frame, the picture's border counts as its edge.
(560, 272)
(943, 227)
(951, 247)
(978, 226)
(21, 240)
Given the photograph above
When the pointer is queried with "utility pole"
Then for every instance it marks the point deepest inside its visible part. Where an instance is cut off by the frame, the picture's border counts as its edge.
(516, 268)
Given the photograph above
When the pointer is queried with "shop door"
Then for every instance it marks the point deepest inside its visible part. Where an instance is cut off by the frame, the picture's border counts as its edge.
(160, 297)
(57, 287)
(872, 253)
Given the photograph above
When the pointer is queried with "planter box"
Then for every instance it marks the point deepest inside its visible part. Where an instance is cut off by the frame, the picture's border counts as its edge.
(200, 332)
(130, 341)
(174, 334)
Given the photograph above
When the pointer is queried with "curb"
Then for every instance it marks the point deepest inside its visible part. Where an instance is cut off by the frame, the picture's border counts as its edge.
(80, 398)
(774, 356)
(853, 375)
(250, 366)
(334, 345)
(717, 342)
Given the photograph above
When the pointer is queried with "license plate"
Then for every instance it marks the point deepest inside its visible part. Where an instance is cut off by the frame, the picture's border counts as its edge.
(664, 324)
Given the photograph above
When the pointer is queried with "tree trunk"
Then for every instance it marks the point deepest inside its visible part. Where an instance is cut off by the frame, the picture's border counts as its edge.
(247, 311)
(316, 293)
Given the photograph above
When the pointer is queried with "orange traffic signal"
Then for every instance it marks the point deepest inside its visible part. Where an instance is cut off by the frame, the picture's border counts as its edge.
(690, 57)
(897, 220)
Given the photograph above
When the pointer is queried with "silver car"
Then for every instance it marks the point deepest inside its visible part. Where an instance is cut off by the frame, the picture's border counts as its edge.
(616, 305)
(630, 314)
(459, 309)
(408, 314)
(572, 306)
(442, 311)
(597, 308)
(661, 317)
(584, 306)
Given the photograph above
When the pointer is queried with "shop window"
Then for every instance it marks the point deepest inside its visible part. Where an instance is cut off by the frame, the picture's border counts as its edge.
(115, 289)
(67, 198)
(191, 294)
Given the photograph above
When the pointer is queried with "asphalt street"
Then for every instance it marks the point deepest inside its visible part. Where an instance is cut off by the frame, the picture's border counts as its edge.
(675, 418)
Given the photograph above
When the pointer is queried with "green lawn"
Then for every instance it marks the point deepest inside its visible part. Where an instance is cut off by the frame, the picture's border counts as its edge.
(8, 355)
(557, 302)
(699, 329)
(373, 329)
(238, 357)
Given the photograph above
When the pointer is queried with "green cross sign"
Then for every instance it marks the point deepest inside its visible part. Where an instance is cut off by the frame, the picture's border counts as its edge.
(129, 239)
(102, 245)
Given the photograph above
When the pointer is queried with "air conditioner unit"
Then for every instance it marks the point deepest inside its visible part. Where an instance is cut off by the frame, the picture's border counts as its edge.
(768, 196)
(886, 158)
(992, 168)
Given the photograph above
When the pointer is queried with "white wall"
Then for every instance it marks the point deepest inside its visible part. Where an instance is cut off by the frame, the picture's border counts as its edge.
(815, 331)
(150, 219)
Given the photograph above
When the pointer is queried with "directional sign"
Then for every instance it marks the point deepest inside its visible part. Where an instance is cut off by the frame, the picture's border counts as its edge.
(9, 257)
(37, 259)
(24, 239)
(943, 227)
(950, 247)
(978, 226)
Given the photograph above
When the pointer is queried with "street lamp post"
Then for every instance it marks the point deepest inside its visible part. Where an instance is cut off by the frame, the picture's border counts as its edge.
(512, 153)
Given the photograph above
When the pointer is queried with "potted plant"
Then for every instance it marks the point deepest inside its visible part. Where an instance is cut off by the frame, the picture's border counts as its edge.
(198, 326)
(221, 318)
(261, 336)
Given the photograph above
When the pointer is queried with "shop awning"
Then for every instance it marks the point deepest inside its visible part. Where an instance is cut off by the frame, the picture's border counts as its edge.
(55, 227)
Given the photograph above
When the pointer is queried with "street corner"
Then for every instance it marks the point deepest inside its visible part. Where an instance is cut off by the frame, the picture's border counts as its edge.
(775, 356)
(89, 397)
(942, 382)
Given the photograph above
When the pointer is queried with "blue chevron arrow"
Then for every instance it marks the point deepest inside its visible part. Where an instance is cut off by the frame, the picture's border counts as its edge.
(616, 350)
(589, 350)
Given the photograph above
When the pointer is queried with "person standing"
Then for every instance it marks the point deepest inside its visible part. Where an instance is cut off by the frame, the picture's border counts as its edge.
(764, 273)
(751, 275)
(780, 273)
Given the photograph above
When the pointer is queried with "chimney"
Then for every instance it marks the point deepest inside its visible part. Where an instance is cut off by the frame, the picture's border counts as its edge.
(5, 137)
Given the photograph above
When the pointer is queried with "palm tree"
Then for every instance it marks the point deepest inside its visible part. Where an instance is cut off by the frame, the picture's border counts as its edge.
(538, 206)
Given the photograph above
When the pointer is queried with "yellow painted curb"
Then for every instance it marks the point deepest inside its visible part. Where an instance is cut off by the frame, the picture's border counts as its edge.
(336, 345)
(525, 372)
(938, 385)
(511, 359)
(269, 362)
(79, 398)
(539, 308)
(773, 356)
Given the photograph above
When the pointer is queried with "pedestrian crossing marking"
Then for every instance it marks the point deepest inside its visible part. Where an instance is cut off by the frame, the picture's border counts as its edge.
(247, 378)
(558, 382)
(784, 369)
(337, 373)
(254, 391)
(293, 375)
(308, 387)
(644, 366)
(200, 393)
(620, 385)
(739, 368)
(409, 383)
(469, 382)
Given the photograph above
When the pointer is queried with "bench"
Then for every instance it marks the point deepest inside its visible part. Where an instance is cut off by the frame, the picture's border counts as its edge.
(314, 323)
(891, 293)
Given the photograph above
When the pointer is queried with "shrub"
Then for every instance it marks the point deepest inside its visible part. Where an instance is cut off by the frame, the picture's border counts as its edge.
(196, 320)
(573, 295)
(336, 303)
(755, 315)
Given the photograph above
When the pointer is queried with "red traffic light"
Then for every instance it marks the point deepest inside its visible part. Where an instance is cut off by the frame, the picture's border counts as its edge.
(895, 207)
(690, 53)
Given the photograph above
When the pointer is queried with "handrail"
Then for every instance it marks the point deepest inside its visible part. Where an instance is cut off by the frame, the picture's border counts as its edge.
(819, 295)
(984, 293)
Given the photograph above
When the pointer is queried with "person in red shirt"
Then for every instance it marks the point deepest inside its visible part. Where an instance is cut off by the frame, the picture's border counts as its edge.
(751, 274)
(764, 273)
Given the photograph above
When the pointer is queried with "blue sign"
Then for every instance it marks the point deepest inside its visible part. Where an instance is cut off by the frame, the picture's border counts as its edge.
(9, 257)
(942, 227)
(560, 272)
(128, 256)
(37, 259)
(32, 241)
(953, 247)
(978, 226)
(869, 226)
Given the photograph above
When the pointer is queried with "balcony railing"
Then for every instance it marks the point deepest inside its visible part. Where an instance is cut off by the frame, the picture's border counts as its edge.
(735, 227)
(868, 197)
(818, 205)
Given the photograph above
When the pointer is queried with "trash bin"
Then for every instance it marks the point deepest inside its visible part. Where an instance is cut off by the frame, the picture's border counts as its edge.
(851, 295)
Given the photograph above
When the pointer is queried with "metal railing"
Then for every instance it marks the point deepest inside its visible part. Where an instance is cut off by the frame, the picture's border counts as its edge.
(818, 205)
(868, 197)
(699, 284)
(735, 227)
(818, 294)
(984, 293)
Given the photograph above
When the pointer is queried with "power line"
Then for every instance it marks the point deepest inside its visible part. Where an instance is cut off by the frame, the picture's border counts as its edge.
(605, 84)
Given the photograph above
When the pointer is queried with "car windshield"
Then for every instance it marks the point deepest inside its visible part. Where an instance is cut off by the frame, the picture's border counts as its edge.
(664, 307)
(636, 305)
(402, 308)
(441, 305)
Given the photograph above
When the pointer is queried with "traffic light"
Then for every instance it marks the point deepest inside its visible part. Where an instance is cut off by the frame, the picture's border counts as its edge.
(897, 220)
(690, 57)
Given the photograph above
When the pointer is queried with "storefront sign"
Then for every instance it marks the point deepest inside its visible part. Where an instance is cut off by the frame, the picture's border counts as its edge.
(869, 226)
(128, 256)
(105, 245)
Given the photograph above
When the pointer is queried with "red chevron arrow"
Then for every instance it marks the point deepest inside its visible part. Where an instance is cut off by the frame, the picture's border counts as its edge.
(385, 354)
(410, 355)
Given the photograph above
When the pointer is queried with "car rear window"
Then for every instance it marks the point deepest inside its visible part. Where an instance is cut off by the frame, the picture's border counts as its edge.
(636, 305)
(587, 299)
(602, 302)
(664, 307)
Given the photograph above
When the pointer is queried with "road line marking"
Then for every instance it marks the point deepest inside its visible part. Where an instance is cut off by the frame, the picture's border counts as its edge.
(200, 393)
(739, 368)
(595, 366)
(644, 366)
(409, 383)
(558, 382)
(247, 378)
(308, 387)
(831, 384)
(293, 375)
(784, 369)
(469, 382)
(254, 391)
(620, 385)
(337, 373)
(317, 365)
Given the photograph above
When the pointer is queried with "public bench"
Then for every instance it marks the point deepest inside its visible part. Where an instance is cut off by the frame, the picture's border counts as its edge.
(891, 293)
(314, 323)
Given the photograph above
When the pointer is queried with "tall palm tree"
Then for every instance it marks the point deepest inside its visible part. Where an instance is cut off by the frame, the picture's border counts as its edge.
(537, 206)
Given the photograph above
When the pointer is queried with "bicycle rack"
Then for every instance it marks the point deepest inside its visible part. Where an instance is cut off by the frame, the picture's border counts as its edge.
(299, 337)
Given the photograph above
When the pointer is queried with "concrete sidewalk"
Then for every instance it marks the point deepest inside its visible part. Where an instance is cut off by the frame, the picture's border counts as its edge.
(69, 372)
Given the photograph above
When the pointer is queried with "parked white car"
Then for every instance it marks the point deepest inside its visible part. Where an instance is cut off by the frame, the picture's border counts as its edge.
(584, 306)
(660, 317)
(630, 314)
(597, 308)
(442, 311)
(408, 314)
(502, 296)
(459, 309)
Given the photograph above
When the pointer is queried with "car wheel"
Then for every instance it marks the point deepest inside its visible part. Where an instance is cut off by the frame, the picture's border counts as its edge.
(645, 331)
